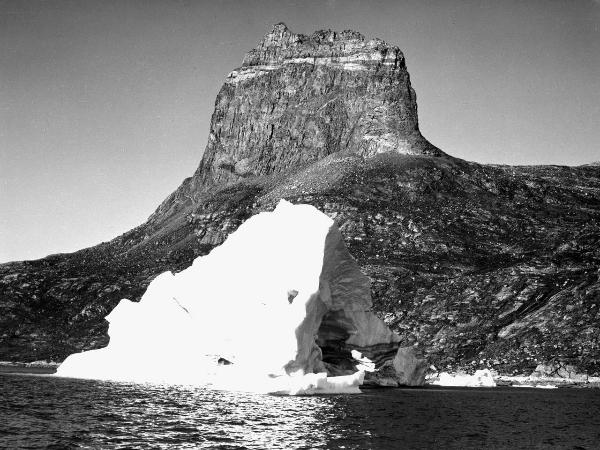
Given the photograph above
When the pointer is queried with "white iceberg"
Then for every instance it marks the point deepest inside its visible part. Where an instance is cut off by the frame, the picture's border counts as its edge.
(481, 378)
(281, 306)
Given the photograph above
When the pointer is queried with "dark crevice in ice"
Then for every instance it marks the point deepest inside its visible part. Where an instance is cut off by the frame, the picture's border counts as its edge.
(331, 339)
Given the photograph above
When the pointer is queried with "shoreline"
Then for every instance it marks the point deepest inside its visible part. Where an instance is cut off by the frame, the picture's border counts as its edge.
(487, 378)
(546, 382)
(515, 381)
(35, 368)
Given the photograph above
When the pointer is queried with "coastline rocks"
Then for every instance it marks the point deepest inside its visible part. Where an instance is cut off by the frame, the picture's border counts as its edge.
(410, 369)
(550, 375)
(559, 371)
(405, 369)
(281, 299)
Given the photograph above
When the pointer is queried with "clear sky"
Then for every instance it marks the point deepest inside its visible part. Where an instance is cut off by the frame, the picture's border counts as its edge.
(105, 105)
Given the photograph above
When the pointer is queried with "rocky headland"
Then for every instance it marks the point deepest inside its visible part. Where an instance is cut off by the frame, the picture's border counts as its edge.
(473, 266)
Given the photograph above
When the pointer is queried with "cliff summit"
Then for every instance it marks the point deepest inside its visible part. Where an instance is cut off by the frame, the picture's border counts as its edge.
(297, 99)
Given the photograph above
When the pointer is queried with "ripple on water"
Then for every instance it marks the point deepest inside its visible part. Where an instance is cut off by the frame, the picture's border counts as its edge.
(42, 412)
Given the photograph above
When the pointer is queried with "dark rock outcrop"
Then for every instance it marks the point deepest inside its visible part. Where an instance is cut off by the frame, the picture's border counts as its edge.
(475, 266)
(297, 99)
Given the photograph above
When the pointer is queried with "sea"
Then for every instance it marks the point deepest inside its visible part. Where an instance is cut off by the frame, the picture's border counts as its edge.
(59, 413)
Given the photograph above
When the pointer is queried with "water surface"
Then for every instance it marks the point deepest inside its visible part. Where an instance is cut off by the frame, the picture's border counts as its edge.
(51, 412)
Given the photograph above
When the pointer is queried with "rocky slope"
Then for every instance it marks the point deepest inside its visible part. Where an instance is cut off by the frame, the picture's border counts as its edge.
(477, 266)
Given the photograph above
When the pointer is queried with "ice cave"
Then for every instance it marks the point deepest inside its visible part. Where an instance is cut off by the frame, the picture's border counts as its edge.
(280, 307)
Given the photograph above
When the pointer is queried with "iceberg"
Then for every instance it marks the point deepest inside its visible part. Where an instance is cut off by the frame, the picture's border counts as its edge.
(481, 378)
(280, 307)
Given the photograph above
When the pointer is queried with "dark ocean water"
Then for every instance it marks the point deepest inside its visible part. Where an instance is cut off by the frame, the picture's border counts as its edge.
(48, 412)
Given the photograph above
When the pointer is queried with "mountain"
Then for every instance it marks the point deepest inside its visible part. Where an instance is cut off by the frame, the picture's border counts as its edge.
(297, 99)
(476, 266)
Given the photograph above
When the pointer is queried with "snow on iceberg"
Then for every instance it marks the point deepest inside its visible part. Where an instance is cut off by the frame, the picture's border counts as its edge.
(281, 306)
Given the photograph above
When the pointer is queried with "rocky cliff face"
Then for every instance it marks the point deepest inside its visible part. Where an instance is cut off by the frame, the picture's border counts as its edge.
(298, 98)
(476, 266)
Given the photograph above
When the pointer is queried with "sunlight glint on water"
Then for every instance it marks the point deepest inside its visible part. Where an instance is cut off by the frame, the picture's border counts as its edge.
(38, 412)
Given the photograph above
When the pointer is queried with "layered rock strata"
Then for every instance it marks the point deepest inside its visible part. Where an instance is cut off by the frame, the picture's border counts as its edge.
(299, 98)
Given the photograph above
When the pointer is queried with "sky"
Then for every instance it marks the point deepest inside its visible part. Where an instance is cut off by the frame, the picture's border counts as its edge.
(105, 105)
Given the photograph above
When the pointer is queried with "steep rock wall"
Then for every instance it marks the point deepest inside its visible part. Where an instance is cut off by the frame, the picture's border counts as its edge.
(299, 98)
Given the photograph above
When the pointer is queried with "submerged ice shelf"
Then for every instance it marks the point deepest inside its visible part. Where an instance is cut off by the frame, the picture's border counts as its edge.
(281, 306)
